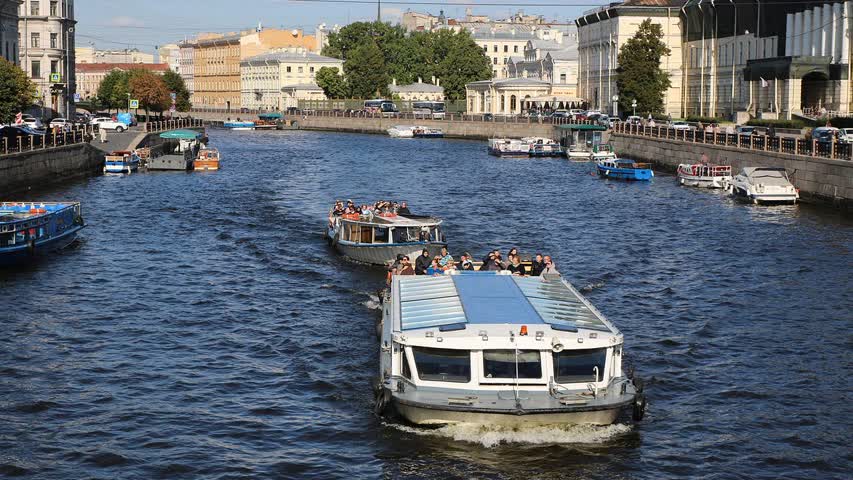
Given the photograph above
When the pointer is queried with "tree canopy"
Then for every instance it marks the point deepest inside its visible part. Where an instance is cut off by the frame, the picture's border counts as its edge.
(639, 76)
(454, 58)
(143, 85)
(16, 91)
(333, 84)
(175, 84)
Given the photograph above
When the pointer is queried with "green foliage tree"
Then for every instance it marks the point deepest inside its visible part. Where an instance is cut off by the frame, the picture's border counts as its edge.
(150, 89)
(354, 35)
(462, 61)
(639, 76)
(112, 92)
(367, 74)
(16, 91)
(175, 84)
(332, 83)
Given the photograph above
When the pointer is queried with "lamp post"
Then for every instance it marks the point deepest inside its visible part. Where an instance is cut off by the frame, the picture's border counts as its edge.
(634, 106)
(615, 105)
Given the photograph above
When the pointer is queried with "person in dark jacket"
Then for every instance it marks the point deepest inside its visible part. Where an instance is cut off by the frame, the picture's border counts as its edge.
(422, 263)
(537, 266)
(403, 209)
(465, 262)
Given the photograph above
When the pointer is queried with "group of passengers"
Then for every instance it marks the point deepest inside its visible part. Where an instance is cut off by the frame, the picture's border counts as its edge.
(492, 261)
(382, 207)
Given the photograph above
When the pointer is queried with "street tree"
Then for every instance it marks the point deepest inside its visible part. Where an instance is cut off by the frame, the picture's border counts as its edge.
(332, 83)
(16, 91)
(640, 76)
(366, 72)
(112, 92)
(175, 84)
(462, 61)
(354, 35)
(150, 89)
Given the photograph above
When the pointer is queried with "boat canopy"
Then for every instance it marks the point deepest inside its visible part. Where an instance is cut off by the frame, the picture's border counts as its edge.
(481, 298)
(269, 116)
(581, 126)
(181, 134)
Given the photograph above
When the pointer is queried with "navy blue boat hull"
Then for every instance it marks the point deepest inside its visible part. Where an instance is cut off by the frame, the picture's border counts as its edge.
(639, 174)
(10, 256)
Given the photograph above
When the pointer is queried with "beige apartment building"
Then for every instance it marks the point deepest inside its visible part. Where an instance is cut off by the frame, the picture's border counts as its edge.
(128, 55)
(9, 29)
(217, 62)
(46, 52)
(280, 78)
(90, 75)
(187, 66)
(603, 31)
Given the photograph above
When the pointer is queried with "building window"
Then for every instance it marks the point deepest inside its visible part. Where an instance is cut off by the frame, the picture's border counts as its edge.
(505, 60)
(300, 70)
(35, 70)
(54, 66)
(503, 103)
(515, 49)
(54, 40)
(485, 48)
(288, 69)
(54, 8)
(312, 70)
(495, 49)
(34, 40)
(506, 48)
(34, 8)
(495, 60)
(562, 78)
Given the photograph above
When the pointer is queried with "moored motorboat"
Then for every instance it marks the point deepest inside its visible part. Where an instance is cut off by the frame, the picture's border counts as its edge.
(494, 348)
(543, 147)
(704, 175)
(208, 159)
(402, 131)
(624, 169)
(603, 151)
(427, 132)
(239, 125)
(764, 185)
(377, 239)
(179, 152)
(508, 147)
(121, 161)
(28, 229)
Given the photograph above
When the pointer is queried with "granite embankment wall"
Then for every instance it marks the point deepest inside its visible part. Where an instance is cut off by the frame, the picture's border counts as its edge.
(23, 171)
(455, 128)
(819, 179)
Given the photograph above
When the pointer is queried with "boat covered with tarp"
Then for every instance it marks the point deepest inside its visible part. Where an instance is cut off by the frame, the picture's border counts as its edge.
(179, 151)
(29, 229)
(499, 349)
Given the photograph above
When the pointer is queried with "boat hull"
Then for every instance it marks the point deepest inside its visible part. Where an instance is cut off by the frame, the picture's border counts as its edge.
(508, 153)
(703, 182)
(578, 156)
(205, 165)
(383, 254)
(422, 415)
(10, 256)
(637, 174)
(170, 162)
(112, 167)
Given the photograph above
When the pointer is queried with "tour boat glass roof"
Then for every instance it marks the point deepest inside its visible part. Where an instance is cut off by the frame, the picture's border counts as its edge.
(481, 298)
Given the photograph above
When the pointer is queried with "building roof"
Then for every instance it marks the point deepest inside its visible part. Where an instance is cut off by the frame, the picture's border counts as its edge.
(564, 54)
(289, 55)
(520, 82)
(234, 37)
(416, 88)
(653, 3)
(301, 86)
(108, 67)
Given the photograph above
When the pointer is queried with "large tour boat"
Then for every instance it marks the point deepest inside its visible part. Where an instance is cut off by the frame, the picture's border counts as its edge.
(703, 175)
(28, 229)
(764, 185)
(238, 125)
(378, 239)
(624, 169)
(494, 348)
(121, 161)
(543, 147)
(509, 147)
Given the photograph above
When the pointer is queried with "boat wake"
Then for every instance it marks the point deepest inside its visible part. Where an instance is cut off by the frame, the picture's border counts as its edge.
(372, 302)
(491, 436)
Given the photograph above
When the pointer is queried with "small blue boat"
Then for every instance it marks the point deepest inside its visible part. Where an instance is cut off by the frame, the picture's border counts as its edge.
(31, 229)
(121, 161)
(239, 125)
(624, 169)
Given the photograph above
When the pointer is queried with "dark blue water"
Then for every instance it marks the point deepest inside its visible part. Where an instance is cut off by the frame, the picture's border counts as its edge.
(202, 328)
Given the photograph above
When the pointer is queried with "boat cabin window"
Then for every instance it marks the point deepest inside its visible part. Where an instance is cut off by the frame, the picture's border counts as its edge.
(505, 363)
(380, 235)
(407, 372)
(442, 365)
(574, 366)
(7, 239)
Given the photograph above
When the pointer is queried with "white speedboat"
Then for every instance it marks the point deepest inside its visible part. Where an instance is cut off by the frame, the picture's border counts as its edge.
(378, 239)
(427, 132)
(402, 131)
(543, 147)
(494, 348)
(509, 147)
(764, 185)
(121, 161)
(702, 175)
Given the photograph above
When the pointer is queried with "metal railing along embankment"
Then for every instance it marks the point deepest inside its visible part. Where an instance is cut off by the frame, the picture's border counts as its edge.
(51, 139)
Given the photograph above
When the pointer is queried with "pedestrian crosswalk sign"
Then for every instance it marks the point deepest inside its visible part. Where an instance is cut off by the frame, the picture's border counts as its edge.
(134, 103)
(55, 78)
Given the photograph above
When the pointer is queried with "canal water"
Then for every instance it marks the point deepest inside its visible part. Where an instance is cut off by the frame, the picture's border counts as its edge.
(202, 328)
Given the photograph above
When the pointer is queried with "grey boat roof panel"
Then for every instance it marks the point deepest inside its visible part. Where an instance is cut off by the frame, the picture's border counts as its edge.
(481, 298)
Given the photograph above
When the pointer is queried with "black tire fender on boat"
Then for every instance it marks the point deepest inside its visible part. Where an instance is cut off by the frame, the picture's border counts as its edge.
(639, 410)
(379, 329)
(383, 399)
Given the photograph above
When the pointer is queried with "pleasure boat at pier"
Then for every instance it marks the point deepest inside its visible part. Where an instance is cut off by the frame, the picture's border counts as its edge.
(378, 239)
(121, 161)
(543, 147)
(238, 125)
(207, 159)
(703, 175)
(602, 152)
(28, 229)
(428, 132)
(494, 348)
(764, 185)
(402, 131)
(624, 169)
(508, 147)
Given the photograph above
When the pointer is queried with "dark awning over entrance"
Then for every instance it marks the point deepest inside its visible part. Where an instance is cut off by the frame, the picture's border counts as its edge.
(783, 68)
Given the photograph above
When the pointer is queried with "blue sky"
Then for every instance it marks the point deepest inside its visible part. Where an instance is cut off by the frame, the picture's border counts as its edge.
(116, 24)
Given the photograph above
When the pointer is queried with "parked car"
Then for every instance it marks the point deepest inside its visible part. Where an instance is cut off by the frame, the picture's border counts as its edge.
(680, 125)
(82, 118)
(108, 124)
(612, 121)
(561, 114)
(634, 120)
(576, 112)
(746, 130)
(61, 123)
(32, 122)
(845, 135)
(825, 134)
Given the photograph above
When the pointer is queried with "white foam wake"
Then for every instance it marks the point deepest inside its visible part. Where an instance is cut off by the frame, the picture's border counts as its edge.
(372, 302)
(491, 436)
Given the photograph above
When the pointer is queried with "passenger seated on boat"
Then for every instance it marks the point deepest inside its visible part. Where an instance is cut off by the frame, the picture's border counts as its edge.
(465, 262)
(550, 267)
(491, 264)
(445, 258)
(390, 276)
(513, 253)
(537, 266)
(434, 268)
(422, 263)
(406, 267)
(403, 209)
(516, 267)
(424, 236)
